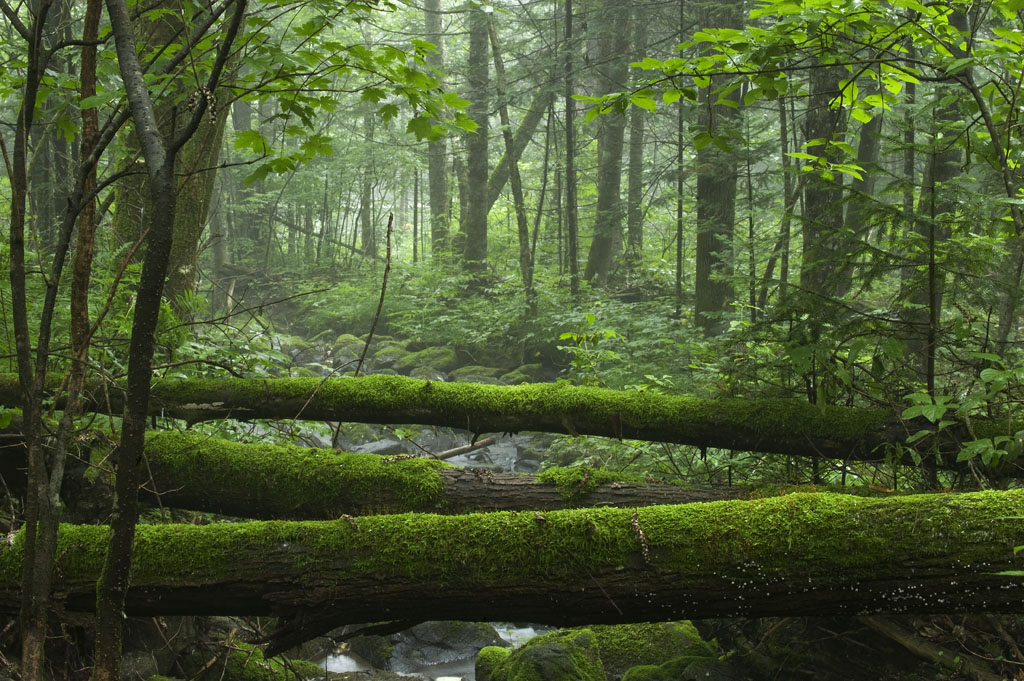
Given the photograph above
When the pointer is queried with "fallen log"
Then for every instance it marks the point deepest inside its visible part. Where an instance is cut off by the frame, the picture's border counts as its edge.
(772, 425)
(290, 482)
(800, 554)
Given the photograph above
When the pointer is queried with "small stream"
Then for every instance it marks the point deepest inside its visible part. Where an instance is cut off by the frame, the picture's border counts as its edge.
(447, 671)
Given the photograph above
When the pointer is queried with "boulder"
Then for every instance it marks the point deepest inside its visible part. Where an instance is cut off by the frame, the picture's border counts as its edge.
(435, 357)
(527, 373)
(567, 655)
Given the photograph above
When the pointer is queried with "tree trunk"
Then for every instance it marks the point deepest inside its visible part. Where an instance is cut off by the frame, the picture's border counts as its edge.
(571, 207)
(437, 151)
(772, 425)
(716, 196)
(613, 68)
(160, 153)
(475, 249)
(794, 555)
(523, 229)
(524, 133)
(635, 174)
(367, 232)
(824, 244)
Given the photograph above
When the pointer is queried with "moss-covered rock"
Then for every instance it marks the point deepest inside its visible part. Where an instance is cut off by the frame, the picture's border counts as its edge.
(376, 650)
(429, 374)
(346, 347)
(443, 359)
(567, 655)
(527, 373)
(686, 668)
(471, 373)
(296, 348)
(626, 645)
(487, 660)
(388, 355)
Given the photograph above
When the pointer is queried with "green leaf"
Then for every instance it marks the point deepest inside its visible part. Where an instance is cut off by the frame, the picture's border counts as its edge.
(643, 100)
(98, 99)
(861, 115)
(701, 140)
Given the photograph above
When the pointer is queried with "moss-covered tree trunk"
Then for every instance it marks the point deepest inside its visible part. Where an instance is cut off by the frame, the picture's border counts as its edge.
(291, 482)
(775, 425)
(801, 554)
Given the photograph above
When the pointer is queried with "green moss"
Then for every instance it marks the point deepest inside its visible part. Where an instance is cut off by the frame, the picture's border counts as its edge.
(246, 663)
(747, 542)
(568, 655)
(473, 370)
(675, 669)
(347, 345)
(295, 482)
(523, 374)
(574, 484)
(158, 677)
(487, 660)
(389, 355)
(434, 357)
(626, 645)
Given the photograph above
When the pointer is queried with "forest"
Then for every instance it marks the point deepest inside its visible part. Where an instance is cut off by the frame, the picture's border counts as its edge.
(511, 340)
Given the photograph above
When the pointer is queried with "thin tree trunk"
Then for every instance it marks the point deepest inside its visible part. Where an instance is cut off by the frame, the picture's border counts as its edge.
(571, 207)
(611, 31)
(437, 151)
(635, 181)
(112, 591)
(523, 228)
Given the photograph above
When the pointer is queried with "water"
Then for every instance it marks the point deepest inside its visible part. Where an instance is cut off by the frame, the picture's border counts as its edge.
(448, 671)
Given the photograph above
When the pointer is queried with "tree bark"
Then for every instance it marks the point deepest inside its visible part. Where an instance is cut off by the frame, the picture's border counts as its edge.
(716, 194)
(524, 133)
(437, 150)
(794, 555)
(781, 426)
(475, 249)
(825, 248)
(160, 153)
(612, 35)
(635, 174)
(571, 207)
(523, 228)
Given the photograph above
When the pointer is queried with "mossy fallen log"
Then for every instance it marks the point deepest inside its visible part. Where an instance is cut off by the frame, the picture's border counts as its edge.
(779, 426)
(800, 554)
(291, 482)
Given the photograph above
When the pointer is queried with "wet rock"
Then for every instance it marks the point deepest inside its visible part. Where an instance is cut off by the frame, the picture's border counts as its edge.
(388, 356)
(431, 643)
(428, 374)
(346, 348)
(475, 373)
